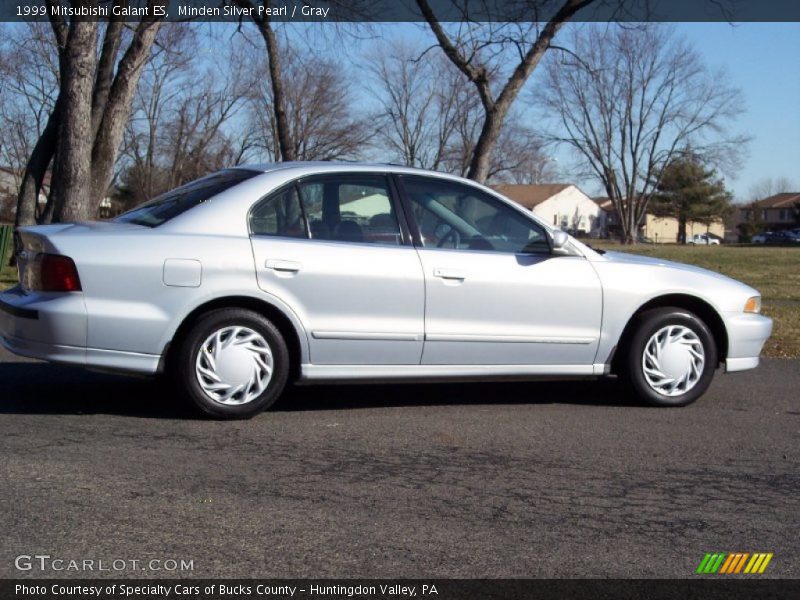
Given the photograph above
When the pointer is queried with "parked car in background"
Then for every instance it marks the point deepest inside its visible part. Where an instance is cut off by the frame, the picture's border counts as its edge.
(760, 238)
(782, 238)
(703, 239)
(253, 277)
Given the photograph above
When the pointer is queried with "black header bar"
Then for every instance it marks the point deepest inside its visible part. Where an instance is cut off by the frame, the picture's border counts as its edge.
(406, 10)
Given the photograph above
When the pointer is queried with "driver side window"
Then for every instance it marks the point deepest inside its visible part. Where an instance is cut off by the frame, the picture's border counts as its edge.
(455, 216)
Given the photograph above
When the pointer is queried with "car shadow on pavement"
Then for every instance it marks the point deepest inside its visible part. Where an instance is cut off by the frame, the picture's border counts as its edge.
(328, 397)
(42, 388)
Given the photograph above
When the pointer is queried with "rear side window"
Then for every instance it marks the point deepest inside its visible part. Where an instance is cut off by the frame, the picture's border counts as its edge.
(173, 203)
(279, 214)
(355, 208)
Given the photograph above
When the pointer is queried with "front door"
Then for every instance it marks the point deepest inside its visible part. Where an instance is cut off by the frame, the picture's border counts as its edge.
(495, 293)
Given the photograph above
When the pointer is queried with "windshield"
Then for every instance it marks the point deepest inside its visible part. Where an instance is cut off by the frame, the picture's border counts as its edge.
(173, 203)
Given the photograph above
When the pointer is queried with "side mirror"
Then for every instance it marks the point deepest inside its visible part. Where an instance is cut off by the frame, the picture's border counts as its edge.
(560, 239)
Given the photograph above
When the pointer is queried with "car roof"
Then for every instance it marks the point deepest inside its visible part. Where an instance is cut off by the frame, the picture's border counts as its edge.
(332, 165)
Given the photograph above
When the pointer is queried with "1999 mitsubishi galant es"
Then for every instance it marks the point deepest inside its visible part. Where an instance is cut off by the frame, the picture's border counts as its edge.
(255, 276)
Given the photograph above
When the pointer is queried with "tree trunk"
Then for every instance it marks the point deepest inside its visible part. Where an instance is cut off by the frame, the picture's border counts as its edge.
(46, 215)
(117, 110)
(630, 234)
(36, 168)
(482, 154)
(105, 70)
(72, 188)
(285, 143)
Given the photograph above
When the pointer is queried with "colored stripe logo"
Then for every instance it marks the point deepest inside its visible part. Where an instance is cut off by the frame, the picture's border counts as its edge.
(734, 563)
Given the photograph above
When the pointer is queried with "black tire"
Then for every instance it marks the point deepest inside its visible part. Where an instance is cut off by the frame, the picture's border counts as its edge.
(651, 322)
(184, 368)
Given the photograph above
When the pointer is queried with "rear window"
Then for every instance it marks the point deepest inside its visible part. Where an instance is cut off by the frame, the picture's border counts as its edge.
(175, 202)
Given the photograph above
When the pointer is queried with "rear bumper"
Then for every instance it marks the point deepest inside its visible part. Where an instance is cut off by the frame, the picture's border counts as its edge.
(110, 360)
(52, 352)
(47, 318)
(48, 327)
(54, 327)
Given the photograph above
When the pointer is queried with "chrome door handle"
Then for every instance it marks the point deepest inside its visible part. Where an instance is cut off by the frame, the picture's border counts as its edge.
(289, 266)
(449, 274)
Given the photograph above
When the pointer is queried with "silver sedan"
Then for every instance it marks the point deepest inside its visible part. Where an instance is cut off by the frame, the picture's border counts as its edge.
(256, 276)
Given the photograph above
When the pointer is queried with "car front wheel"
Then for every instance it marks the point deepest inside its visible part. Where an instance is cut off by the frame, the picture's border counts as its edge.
(233, 363)
(672, 357)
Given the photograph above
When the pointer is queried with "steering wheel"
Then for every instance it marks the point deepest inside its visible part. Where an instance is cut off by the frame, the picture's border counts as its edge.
(454, 234)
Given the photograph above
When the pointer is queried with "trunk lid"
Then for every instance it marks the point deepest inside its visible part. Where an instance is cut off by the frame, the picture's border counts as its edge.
(30, 241)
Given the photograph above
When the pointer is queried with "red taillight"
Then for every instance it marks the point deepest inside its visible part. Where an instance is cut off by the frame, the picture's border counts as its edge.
(57, 274)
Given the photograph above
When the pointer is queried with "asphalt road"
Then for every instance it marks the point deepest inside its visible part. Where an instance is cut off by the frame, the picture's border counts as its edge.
(473, 480)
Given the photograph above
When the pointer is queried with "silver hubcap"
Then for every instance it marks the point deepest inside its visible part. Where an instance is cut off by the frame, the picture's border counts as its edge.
(234, 365)
(673, 360)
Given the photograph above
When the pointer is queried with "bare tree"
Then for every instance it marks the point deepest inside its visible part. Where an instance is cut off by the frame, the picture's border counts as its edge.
(28, 88)
(164, 79)
(263, 23)
(481, 51)
(521, 156)
(769, 186)
(29, 83)
(422, 101)
(85, 126)
(430, 116)
(282, 127)
(320, 110)
(628, 100)
(180, 128)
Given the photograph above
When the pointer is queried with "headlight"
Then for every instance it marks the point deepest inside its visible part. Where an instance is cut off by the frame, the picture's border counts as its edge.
(753, 305)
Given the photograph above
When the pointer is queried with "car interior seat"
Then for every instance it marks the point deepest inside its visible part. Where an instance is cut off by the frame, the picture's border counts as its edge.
(349, 231)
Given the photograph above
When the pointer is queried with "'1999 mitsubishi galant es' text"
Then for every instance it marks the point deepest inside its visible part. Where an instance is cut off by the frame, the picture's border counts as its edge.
(254, 276)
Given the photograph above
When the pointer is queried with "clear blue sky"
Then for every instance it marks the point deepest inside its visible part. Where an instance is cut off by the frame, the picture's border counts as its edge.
(763, 59)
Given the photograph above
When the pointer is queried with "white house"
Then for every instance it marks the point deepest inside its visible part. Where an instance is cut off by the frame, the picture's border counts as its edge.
(562, 204)
(9, 187)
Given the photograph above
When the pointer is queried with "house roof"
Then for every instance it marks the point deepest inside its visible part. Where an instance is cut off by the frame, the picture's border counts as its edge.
(530, 195)
(782, 200)
(19, 172)
(604, 203)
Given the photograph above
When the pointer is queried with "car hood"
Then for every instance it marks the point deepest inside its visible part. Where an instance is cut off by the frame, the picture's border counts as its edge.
(624, 257)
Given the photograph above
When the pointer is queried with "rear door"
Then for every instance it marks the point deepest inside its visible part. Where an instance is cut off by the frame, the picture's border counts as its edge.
(332, 248)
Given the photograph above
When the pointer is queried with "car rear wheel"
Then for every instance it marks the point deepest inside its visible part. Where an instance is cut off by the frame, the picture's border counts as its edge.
(672, 357)
(233, 363)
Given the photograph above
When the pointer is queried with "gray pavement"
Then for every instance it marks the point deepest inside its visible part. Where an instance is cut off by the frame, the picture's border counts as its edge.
(470, 480)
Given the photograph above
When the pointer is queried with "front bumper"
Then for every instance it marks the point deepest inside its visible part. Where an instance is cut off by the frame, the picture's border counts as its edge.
(747, 334)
